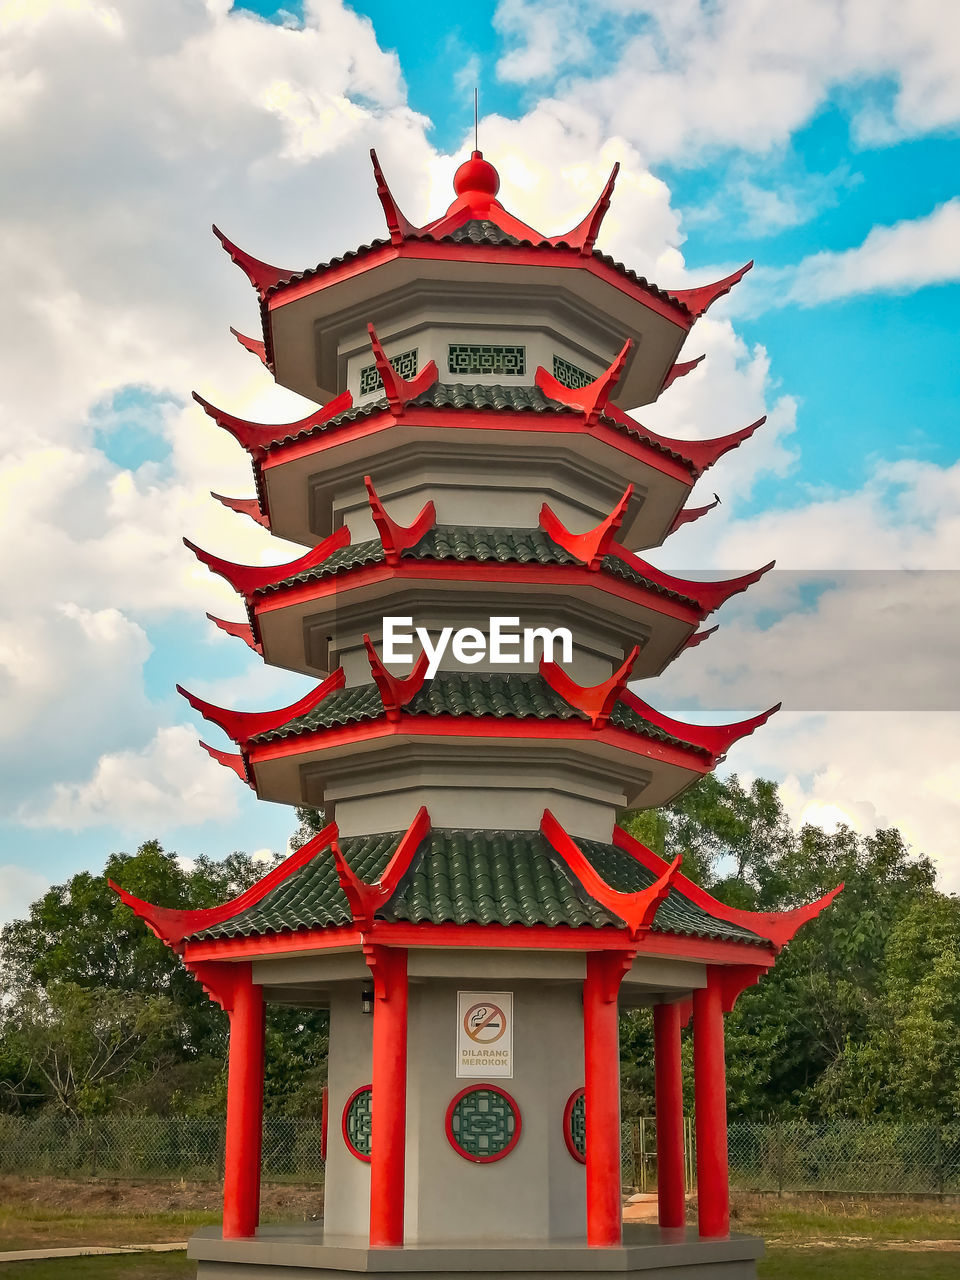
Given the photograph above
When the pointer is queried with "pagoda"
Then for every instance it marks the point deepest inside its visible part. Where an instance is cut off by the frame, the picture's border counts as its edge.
(472, 607)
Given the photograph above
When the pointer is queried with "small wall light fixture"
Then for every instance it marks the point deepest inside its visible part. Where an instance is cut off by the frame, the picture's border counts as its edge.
(366, 1000)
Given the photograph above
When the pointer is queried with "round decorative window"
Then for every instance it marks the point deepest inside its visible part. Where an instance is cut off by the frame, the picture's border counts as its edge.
(575, 1126)
(483, 1123)
(356, 1122)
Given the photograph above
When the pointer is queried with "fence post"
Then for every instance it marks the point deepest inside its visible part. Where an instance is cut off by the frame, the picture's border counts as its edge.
(688, 1148)
(941, 1172)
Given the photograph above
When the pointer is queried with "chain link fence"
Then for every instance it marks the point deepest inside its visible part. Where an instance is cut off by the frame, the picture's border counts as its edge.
(865, 1157)
(846, 1155)
(148, 1147)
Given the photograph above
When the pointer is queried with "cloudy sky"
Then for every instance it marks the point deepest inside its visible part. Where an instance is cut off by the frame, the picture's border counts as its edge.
(819, 137)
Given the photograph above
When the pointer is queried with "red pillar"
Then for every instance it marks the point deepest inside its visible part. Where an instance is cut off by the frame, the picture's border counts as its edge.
(388, 1103)
(601, 1060)
(710, 1096)
(671, 1181)
(241, 1178)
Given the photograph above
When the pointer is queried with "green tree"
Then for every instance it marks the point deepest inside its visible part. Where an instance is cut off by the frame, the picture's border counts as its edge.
(87, 1047)
(79, 937)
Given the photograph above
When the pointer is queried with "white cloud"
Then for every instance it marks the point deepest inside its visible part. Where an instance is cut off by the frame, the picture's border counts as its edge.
(200, 114)
(876, 770)
(694, 74)
(896, 259)
(906, 516)
(732, 388)
(170, 782)
(126, 132)
(19, 887)
(880, 636)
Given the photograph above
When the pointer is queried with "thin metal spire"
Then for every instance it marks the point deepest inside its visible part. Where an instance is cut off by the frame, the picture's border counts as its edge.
(476, 118)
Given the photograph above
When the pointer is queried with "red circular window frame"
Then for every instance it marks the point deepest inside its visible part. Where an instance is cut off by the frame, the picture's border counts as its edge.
(448, 1124)
(567, 1113)
(364, 1088)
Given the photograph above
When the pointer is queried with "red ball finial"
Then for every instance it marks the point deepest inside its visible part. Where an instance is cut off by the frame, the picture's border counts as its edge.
(477, 175)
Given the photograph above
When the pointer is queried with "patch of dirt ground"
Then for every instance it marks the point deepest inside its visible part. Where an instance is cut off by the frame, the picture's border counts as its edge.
(149, 1198)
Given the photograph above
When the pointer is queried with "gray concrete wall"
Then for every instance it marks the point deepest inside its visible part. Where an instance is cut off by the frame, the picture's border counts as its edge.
(537, 1191)
(347, 1180)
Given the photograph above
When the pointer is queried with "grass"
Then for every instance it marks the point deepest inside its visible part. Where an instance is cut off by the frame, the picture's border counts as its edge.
(803, 1219)
(29, 1226)
(809, 1237)
(857, 1264)
(159, 1266)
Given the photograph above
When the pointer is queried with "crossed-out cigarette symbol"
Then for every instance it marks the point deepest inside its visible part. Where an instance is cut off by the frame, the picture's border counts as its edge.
(484, 1023)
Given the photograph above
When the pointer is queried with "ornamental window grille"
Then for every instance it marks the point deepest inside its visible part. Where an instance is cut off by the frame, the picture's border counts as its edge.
(405, 364)
(575, 1126)
(483, 1124)
(464, 358)
(569, 374)
(356, 1123)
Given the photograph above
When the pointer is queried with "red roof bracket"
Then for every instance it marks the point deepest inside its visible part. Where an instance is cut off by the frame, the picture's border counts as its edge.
(172, 925)
(687, 515)
(716, 739)
(242, 725)
(733, 980)
(589, 548)
(398, 226)
(221, 981)
(396, 691)
(697, 301)
(590, 400)
(698, 637)
(244, 507)
(230, 760)
(248, 578)
(256, 346)
(637, 910)
(680, 371)
(400, 391)
(242, 630)
(396, 538)
(595, 702)
(366, 899)
(257, 437)
(777, 926)
(261, 275)
(584, 235)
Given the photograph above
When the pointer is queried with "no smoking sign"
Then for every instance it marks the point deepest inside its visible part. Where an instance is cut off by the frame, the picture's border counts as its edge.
(484, 1034)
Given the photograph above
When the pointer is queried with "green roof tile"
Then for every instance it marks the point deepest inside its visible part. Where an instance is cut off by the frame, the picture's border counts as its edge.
(470, 877)
(514, 695)
(458, 395)
(465, 543)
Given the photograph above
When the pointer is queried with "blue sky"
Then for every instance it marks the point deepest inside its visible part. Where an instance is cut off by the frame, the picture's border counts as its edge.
(821, 140)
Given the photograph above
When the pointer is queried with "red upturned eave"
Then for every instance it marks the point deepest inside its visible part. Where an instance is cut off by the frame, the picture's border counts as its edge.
(779, 926)
(472, 727)
(541, 256)
(171, 925)
(716, 739)
(530, 574)
(516, 937)
(683, 460)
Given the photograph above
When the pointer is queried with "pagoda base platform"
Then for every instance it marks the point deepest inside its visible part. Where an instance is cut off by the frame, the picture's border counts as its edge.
(289, 1252)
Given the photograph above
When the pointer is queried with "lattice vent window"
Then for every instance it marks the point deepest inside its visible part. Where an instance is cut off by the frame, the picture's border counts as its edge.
(465, 358)
(570, 375)
(405, 364)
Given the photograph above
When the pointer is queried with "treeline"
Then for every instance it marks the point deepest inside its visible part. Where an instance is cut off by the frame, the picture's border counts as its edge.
(860, 1017)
